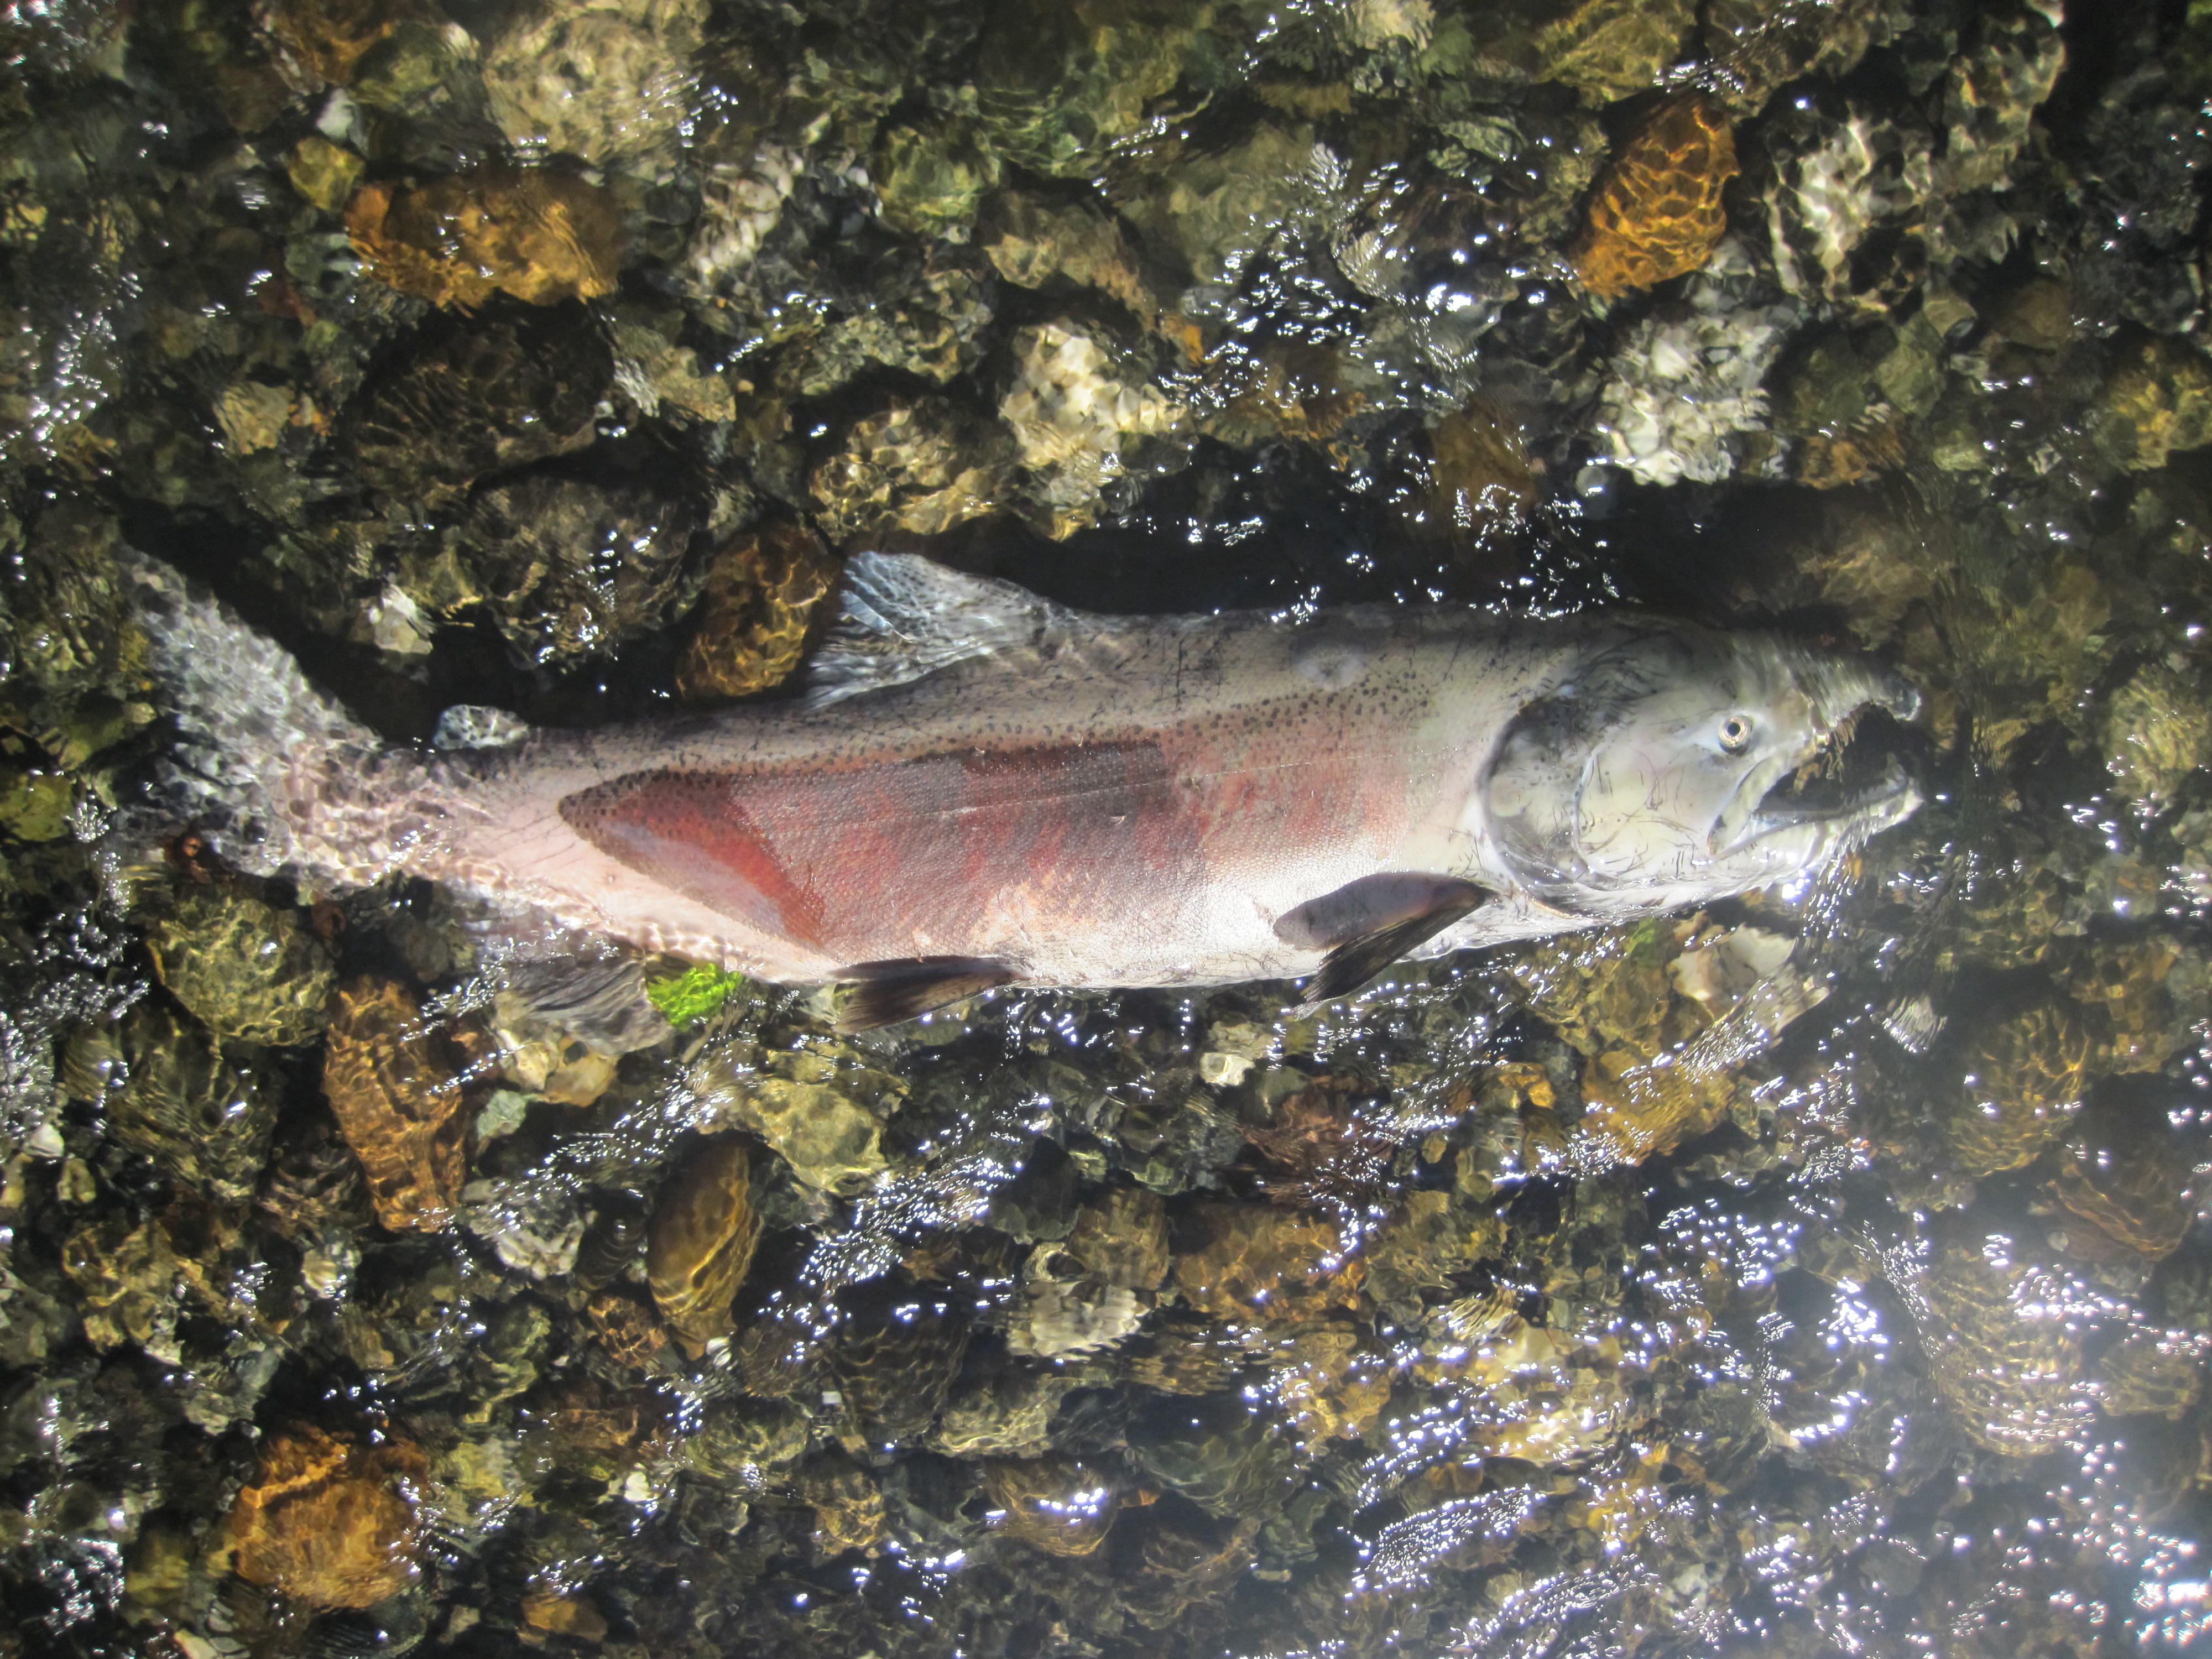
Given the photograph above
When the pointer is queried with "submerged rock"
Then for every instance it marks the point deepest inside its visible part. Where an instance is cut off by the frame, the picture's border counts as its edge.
(173, 1096)
(329, 1520)
(1008, 1415)
(1263, 1264)
(567, 570)
(2009, 1365)
(1657, 211)
(249, 969)
(930, 176)
(394, 1085)
(1608, 50)
(811, 1106)
(1056, 1504)
(2157, 400)
(895, 1362)
(847, 1505)
(610, 83)
(1032, 239)
(764, 591)
(1071, 409)
(542, 237)
(474, 398)
(125, 1275)
(1831, 186)
(701, 1240)
(2025, 1079)
(563, 1026)
(1057, 85)
(920, 467)
(1064, 1310)
(931, 320)
(2158, 730)
(1121, 1236)
(1687, 385)
(329, 37)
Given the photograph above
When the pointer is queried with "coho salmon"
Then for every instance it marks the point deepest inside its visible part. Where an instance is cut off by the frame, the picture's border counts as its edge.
(978, 788)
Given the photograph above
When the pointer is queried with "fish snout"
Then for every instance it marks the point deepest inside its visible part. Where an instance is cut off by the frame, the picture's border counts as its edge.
(1840, 687)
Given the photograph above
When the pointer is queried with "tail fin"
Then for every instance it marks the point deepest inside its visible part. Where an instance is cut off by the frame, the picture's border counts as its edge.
(273, 774)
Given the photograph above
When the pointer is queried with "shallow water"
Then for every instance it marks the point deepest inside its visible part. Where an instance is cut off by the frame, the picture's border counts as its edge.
(1819, 1274)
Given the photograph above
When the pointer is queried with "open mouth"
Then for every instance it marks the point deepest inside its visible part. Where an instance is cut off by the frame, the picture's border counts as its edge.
(1853, 776)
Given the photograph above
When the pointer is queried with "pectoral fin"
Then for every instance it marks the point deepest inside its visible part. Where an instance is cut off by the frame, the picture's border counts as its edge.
(884, 992)
(1370, 923)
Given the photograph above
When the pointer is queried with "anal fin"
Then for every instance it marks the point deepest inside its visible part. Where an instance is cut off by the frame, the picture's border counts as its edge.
(878, 994)
(1411, 911)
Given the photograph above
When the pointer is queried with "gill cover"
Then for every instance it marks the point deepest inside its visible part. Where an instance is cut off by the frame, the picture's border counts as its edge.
(1536, 781)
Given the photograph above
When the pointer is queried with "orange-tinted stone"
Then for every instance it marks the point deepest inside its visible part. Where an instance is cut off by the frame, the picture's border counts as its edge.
(392, 1083)
(330, 1522)
(543, 237)
(1265, 1262)
(1657, 210)
(330, 37)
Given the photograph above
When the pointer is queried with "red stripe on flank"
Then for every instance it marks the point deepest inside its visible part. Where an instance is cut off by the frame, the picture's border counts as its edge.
(915, 856)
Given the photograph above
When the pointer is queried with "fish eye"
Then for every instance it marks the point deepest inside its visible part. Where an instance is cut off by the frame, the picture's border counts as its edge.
(1735, 733)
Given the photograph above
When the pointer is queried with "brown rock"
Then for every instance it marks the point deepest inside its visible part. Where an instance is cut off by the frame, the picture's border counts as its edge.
(1862, 449)
(1187, 1360)
(764, 590)
(2133, 1196)
(894, 1365)
(777, 1358)
(2038, 313)
(550, 1613)
(847, 1505)
(124, 1276)
(1319, 1144)
(1178, 1569)
(2159, 400)
(1657, 211)
(1288, 389)
(1481, 481)
(626, 1329)
(593, 1433)
(541, 236)
(1327, 1384)
(2025, 1076)
(329, 37)
(702, 1242)
(1056, 1504)
(1121, 1236)
(1265, 1262)
(392, 1084)
(2147, 1374)
(330, 1522)
(914, 470)
(2007, 1365)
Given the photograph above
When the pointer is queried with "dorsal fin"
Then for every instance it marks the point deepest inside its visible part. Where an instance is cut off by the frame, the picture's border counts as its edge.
(902, 616)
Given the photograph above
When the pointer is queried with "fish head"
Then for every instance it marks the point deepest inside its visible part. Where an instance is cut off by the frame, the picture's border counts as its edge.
(1681, 765)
